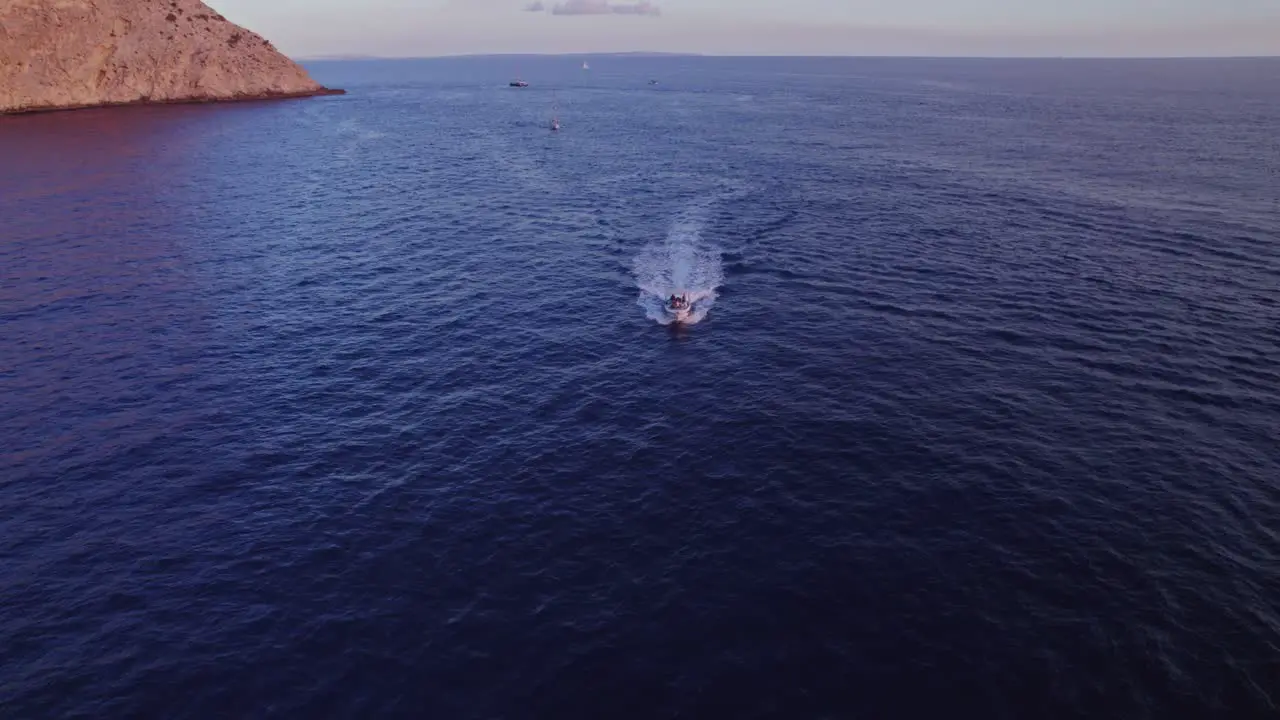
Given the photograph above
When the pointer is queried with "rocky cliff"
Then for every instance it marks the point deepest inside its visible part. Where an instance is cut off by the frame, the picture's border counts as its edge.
(83, 53)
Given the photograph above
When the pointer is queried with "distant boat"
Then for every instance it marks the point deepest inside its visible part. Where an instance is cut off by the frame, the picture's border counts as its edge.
(585, 66)
(519, 83)
(555, 113)
(653, 82)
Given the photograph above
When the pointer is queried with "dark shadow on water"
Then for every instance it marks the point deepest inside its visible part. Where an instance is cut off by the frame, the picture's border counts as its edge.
(679, 331)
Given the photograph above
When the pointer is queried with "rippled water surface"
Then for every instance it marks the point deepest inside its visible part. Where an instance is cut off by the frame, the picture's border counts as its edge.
(364, 406)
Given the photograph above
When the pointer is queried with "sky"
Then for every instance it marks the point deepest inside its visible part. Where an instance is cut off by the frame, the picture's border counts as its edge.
(427, 28)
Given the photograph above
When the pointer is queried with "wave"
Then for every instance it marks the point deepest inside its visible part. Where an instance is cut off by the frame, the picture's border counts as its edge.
(682, 264)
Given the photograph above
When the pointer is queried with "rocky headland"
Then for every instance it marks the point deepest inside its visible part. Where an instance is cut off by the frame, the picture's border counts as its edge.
(64, 54)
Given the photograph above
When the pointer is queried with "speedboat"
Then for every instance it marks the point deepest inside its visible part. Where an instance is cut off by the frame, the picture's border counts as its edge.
(679, 308)
(519, 83)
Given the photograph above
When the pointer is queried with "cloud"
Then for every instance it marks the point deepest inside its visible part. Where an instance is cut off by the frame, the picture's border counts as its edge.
(536, 6)
(603, 7)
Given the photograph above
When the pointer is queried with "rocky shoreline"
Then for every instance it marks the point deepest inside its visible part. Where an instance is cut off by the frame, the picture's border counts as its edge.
(60, 55)
(261, 97)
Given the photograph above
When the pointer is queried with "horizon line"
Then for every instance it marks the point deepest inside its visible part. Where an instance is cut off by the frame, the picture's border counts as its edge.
(641, 53)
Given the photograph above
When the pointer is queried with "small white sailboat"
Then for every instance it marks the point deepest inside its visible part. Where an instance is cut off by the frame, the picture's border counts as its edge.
(585, 66)
(555, 113)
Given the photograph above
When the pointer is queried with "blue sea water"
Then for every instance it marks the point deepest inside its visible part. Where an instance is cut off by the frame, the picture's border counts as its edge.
(364, 406)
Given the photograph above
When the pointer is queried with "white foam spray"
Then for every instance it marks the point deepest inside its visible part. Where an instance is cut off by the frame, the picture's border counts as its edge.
(681, 264)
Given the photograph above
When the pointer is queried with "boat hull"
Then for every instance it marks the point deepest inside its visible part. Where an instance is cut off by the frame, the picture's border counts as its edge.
(679, 315)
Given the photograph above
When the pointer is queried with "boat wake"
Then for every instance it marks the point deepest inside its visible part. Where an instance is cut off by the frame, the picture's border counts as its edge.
(683, 263)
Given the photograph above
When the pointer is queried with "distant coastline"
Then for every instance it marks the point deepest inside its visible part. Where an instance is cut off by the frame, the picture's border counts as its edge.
(357, 58)
(1025, 58)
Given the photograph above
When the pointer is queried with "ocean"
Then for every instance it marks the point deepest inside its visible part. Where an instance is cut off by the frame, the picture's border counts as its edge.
(368, 406)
